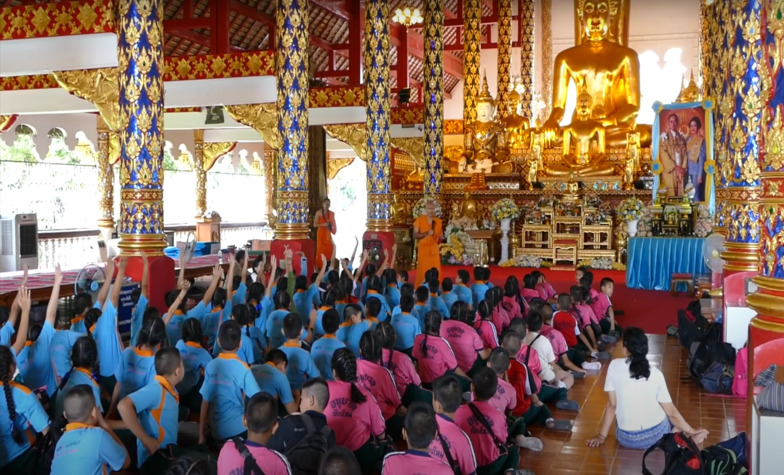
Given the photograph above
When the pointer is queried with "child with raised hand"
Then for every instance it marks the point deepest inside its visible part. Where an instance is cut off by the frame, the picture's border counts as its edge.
(392, 291)
(434, 355)
(419, 431)
(150, 413)
(271, 378)
(352, 328)
(195, 359)
(88, 444)
(354, 414)
(227, 382)
(21, 415)
(34, 359)
(84, 357)
(300, 363)
(236, 278)
(137, 364)
(469, 349)
(323, 348)
(306, 295)
(220, 311)
(191, 308)
(406, 378)
(374, 291)
(484, 324)
(104, 330)
(249, 455)
(8, 320)
(83, 301)
(486, 426)
(379, 381)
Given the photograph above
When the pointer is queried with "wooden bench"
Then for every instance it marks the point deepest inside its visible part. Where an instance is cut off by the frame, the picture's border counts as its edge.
(687, 279)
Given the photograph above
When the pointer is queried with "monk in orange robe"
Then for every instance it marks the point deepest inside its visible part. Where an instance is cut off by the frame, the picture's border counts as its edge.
(324, 222)
(429, 231)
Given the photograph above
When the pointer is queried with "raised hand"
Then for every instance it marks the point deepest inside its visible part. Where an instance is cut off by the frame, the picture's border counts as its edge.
(24, 299)
(324, 260)
(274, 263)
(58, 275)
(24, 275)
(123, 262)
(217, 271)
(184, 285)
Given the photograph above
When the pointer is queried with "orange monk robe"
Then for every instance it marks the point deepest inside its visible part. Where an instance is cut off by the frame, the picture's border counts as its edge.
(324, 244)
(428, 255)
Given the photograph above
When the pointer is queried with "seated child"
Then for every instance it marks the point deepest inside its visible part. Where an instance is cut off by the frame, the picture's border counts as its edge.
(151, 412)
(461, 289)
(484, 324)
(433, 354)
(300, 363)
(568, 358)
(486, 426)
(327, 303)
(249, 455)
(419, 431)
(194, 359)
(354, 414)
(434, 302)
(567, 323)
(469, 349)
(306, 295)
(88, 445)
(406, 378)
(379, 382)
(584, 315)
(500, 317)
(546, 291)
(406, 325)
(137, 365)
(190, 308)
(227, 382)
(294, 427)
(554, 388)
(451, 444)
(84, 357)
(447, 294)
(603, 309)
(421, 307)
(375, 290)
(352, 328)
(406, 289)
(274, 324)
(512, 300)
(271, 378)
(480, 285)
(324, 347)
(340, 461)
(241, 315)
(373, 310)
(529, 291)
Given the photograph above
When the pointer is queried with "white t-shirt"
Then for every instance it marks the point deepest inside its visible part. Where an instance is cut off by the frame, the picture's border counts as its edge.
(544, 348)
(638, 400)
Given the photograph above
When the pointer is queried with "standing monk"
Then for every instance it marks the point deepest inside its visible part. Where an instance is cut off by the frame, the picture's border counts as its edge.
(325, 222)
(429, 232)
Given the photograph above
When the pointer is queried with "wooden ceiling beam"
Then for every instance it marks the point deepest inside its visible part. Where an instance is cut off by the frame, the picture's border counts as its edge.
(335, 7)
(452, 64)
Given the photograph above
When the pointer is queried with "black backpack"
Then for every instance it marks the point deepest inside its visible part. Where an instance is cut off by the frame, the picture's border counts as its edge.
(692, 325)
(305, 456)
(682, 457)
(718, 378)
(708, 351)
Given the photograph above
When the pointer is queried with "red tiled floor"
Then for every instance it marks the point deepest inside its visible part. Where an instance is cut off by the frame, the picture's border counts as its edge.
(566, 453)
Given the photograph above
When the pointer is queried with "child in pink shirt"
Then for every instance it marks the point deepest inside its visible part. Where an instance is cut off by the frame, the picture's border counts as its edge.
(420, 430)
(451, 444)
(529, 288)
(396, 361)
(376, 379)
(434, 355)
(546, 291)
(500, 315)
(603, 308)
(484, 325)
(261, 417)
(465, 342)
(354, 414)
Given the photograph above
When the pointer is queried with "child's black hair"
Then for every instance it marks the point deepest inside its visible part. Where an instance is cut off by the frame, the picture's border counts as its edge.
(448, 392)
(82, 302)
(230, 335)
(459, 312)
(606, 281)
(534, 320)
(432, 328)
(511, 287)
(282, 300)
(330, 321)
(292, 326)
(301, 283)
(242, 313)
(167, 360)
(447, 285)
(152, 333)
(192, 331)
(463, 275)
(277, 357)
(390, 276)
(484, 309)
(407, 289)
(422, 294)
(518, 326)
(403, 274)
(79, 403)
(6, 361)
(636, 343)
(91, 316)
(261, 413)
(344, 364)
(420, 424)
(372, 307)
(84, 354)
(478, 272)
(485, 384)
(499, 360)
(350, 310)
(564, 302)
(370, 346)
(432, 286)
(374, 283)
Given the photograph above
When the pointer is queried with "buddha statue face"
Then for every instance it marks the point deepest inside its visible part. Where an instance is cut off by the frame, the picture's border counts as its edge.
(484, 111)
(596, 19)
(584, 103)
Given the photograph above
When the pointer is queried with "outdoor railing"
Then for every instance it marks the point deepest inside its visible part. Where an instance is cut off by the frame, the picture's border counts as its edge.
(75, 248)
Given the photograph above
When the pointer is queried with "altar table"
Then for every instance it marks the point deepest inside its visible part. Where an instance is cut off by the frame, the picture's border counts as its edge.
(651, 261)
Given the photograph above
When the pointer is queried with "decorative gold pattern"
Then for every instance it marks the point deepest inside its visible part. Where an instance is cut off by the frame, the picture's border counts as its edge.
(547, 54)
(105, 185)
(100, 86)
(140, 55)
(334, 165)
(57, 19)
(353, 135)
(260, 117)
(6, 121)
(270, 174)
(434, 95)
(527, 49)
(205, 155)
(292, 60)
(414, 147)
(472, 37)
(505, 104)
(231, 65)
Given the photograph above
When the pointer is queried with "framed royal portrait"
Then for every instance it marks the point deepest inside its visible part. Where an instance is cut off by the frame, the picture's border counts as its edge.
(682, 151)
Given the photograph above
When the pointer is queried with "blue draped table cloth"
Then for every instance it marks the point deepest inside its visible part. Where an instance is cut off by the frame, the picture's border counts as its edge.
(651, 261)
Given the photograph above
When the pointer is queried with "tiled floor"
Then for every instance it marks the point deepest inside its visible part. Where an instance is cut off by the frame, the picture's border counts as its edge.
(568, 454)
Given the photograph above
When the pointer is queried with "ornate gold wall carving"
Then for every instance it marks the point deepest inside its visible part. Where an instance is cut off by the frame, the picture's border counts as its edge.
(205, 155)
(334, 165)
(527, 48)
(100, 86)
(472, 36)
(546, 20)
(260, 117)
(353, 135)
(504, 10)
(434, 94)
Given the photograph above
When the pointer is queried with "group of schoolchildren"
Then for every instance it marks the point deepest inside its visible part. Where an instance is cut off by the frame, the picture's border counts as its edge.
(356, 360)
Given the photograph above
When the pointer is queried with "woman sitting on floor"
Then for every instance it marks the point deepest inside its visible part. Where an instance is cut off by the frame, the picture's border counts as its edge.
(637, 395)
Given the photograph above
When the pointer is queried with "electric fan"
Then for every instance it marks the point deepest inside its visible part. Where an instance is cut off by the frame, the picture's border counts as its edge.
(90, 280)
(711, 252)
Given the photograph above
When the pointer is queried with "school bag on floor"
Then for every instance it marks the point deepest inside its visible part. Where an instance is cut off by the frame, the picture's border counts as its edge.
(708, 351)
(740, 382)
(718, 378)
(683, 457)
(692, 325)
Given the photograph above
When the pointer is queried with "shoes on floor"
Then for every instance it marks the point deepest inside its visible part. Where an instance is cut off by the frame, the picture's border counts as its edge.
(577, 374)
(567, 405)
(530, 443)
(592, 365)
(608, 339)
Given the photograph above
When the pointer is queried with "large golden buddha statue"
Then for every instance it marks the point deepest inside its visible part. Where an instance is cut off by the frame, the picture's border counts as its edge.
(485, 138)
(608, 70)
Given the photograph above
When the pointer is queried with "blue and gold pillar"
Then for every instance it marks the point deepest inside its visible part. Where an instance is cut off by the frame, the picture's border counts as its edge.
(140, 58)
(291, 70)
(434, 95)
(377, 107)
(526, 29)
(472, 45)
(742, 104)
(505, 105)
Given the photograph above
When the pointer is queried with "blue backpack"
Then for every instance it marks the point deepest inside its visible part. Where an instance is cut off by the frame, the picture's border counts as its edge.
(718, 378)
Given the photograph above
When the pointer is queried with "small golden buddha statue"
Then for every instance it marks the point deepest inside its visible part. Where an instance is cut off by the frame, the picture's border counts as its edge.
(485, 139)
(690, 93)
(517, 124)
(468, 209)
(608, 70)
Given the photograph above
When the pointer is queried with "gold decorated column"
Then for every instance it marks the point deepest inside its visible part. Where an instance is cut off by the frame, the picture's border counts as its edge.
(434, 95)
(379, 171)
(546, 20)
(292, 60)
(472, 37)
(106, 156)
(140, 58)
(205, 155)
(270, 172)
(527, 42)
(504, 10)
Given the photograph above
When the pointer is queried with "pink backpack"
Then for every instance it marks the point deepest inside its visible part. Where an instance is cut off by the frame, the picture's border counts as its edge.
(740, 384)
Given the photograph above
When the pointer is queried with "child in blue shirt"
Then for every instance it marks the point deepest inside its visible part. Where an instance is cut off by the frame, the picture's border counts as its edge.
(328, 303)
(421, 308)
(21, 417)
(434, 302)
(137, 365)
(274, 324)
(88, 446)
(352, 328)
(85, 369)
(461, 290)
(271, 378)
(104, 331)
(227, 382)
(324, 347)
(240, 314)
(84, 301)
(375, 288)
(300, 363)
(190, 308)
(305, 296)
(480, 285)
(194, 359)
(406, 325)
(373, 311)
(238, 281)
(150, 413)
(448, 296)
(392, 292)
